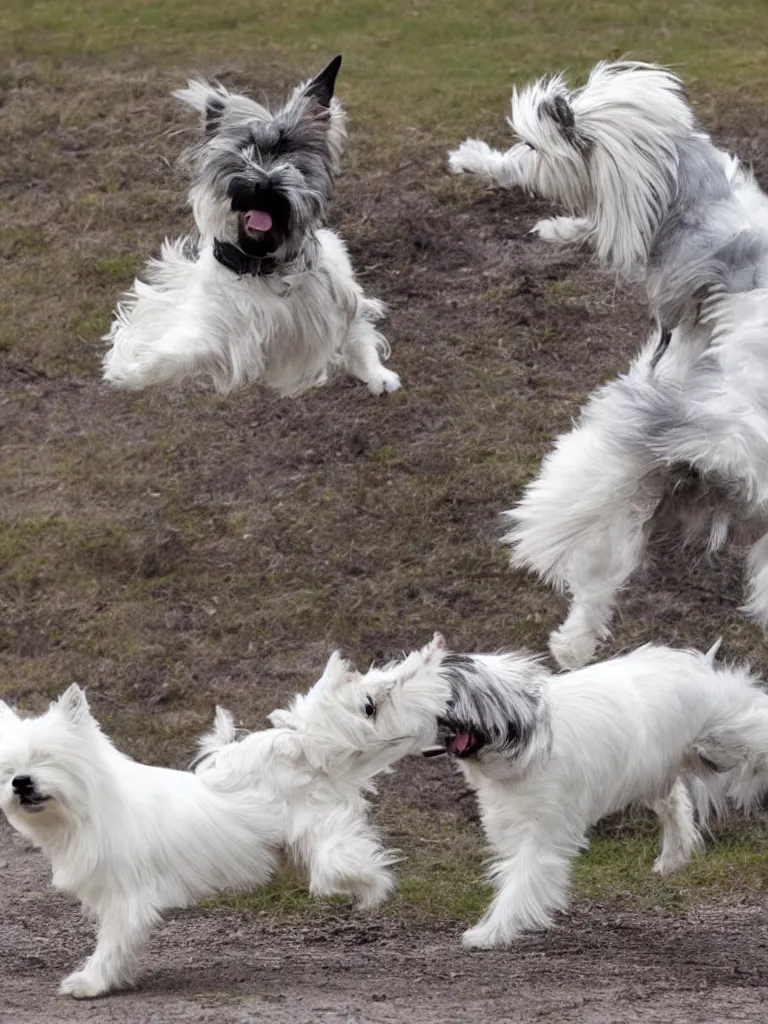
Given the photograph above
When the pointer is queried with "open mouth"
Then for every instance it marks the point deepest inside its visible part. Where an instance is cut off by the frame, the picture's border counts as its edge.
(461, 744)
(464, 744)
(256, 223)
(33, 802)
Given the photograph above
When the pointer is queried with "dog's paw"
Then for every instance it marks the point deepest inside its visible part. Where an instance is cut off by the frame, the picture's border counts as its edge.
(572, 649)
(562, 230)
(81, 985)
(666, 864)
(372, 889)
(472, 157)
(546, 230)
(481, 937)
(384, 382)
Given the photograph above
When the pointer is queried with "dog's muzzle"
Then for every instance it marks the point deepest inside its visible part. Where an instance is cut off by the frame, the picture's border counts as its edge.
(264, 212)
(25, 790)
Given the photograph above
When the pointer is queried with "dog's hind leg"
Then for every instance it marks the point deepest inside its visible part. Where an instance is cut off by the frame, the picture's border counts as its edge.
(363, 348)
(530, 884)
(138, 360)
(583, 524)
(122, 933)
(679, 835)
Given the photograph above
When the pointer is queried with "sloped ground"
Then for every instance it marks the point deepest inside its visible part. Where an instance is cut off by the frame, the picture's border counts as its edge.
(176, 551)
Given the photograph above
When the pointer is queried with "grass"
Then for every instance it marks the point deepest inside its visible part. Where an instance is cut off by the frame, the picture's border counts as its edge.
(414, 71)
(442, 877)
(620, 860)
(175, 551)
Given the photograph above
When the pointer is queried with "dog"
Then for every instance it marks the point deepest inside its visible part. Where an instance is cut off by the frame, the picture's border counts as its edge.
(684, 433)
(265, 292)
(130, 840)
(550, 755)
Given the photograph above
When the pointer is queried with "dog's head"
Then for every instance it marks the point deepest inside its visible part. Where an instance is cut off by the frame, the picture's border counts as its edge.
(498, 714)
(610, 151)
(48, 764)
(366, 721)
(262, 181)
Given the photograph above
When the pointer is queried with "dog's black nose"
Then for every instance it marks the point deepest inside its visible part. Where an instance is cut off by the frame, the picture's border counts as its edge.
(22, 783)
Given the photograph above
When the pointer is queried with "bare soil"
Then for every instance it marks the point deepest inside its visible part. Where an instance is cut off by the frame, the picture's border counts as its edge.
(602, 965)
(176, 551)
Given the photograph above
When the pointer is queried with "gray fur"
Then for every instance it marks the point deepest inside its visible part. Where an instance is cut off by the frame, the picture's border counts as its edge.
(290, 158)
(501, 698)
(696, 252)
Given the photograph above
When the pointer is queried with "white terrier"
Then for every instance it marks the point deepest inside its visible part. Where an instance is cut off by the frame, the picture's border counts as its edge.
(265, 293)
(686, 429)
(548, 756)
(131, 840)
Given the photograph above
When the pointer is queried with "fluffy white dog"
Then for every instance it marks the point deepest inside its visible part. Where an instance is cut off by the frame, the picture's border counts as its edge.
(548, 756)
(131, 840)
(265, 293)
(686, 429)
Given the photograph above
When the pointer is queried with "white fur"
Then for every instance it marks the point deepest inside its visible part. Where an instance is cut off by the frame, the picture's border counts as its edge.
(287, 331)
(619, 733)
(657, 202)
(131, 840)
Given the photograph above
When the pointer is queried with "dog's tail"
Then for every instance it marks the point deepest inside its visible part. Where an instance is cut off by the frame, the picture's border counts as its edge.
(222, 733)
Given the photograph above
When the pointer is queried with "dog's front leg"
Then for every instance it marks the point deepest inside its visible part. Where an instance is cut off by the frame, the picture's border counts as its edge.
(679, 835)
(513, 169)
(564, 230)
(345, 857)
(122, 933)
(529, 885)
(363, 348)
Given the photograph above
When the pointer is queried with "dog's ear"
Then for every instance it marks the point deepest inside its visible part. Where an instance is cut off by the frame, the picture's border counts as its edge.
(435, 649)
(74, 706)
(561, 111)
(7, 715)
(431, 654)
(336, 672)
(208, 100)
(322, 85)
(214, 108)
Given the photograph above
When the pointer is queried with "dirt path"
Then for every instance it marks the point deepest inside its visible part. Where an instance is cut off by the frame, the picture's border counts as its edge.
(212, 966)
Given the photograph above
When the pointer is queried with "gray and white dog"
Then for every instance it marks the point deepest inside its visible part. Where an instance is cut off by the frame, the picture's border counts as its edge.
(265, 292)
(550, 755)
(686, 428)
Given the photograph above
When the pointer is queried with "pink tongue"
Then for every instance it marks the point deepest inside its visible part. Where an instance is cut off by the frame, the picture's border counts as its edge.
(460, 743)
(258, 220)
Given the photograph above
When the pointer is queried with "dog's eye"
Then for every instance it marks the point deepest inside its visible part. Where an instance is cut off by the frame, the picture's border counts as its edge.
(370, 707)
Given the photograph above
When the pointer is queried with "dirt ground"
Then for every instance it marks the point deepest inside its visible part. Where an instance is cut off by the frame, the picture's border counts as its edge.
(602, 966)
(176, 551)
